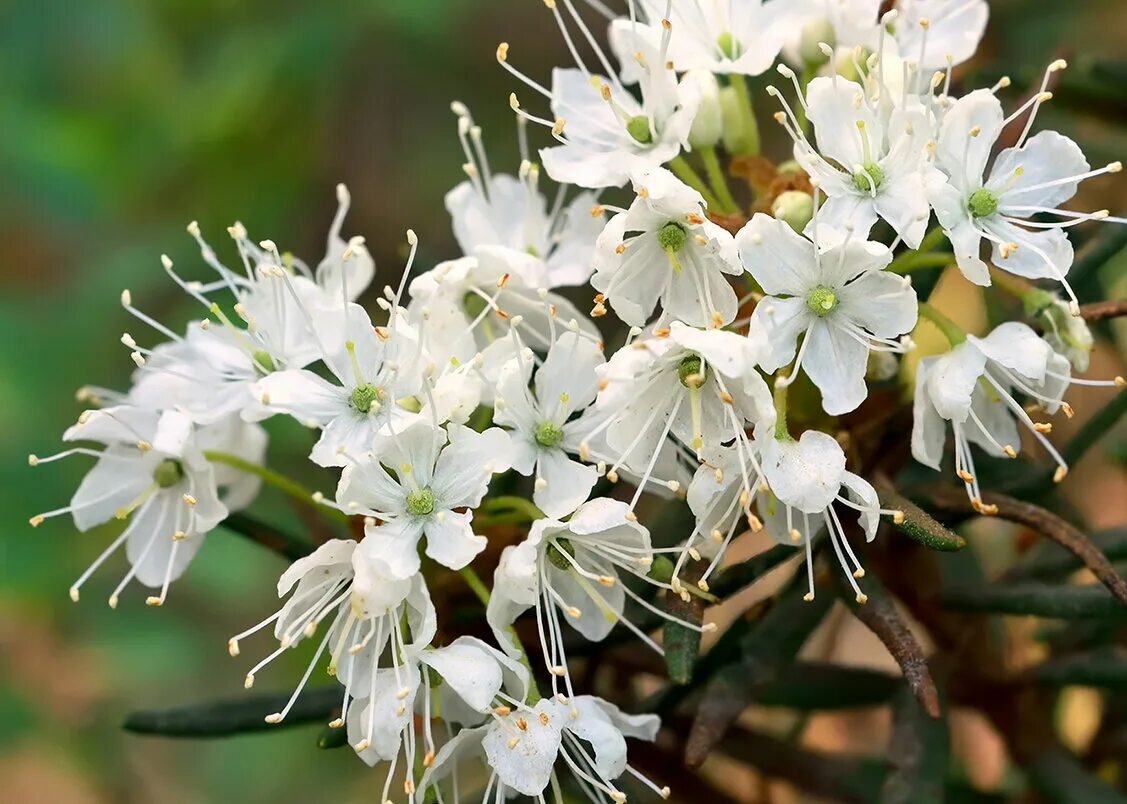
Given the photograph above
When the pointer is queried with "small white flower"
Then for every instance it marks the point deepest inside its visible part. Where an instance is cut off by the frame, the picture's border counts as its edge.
(835, 296)
(996, 200)
(504, 220)
(153, 472)
(940, 34)
(374, 367)
(663, 249)
(1068, 334)
(973, 387)
(806, 478)
(543, 431)
(413, 480)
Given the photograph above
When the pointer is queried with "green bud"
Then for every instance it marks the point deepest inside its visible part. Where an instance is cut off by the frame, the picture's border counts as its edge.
(983, 203)
(556, 550)
(421, 502)
(691, 372)
(672, 236)
(795, 207)
(821, 301)
(731, 115)
(549, 434)
(661, 570)
(168, 473)
(729, 45)
(873, 172)
(708, 124)
(364, 396)
(264, 361)
(639, 128)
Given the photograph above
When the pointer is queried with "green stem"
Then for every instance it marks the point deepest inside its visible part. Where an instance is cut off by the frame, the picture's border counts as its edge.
(508, 504)
(747, 112)
(915, 261)
(685, 172)
(275, 479)
(719, 181)
(930, 242)
(952, 331)
(781, 431)
(478, 587)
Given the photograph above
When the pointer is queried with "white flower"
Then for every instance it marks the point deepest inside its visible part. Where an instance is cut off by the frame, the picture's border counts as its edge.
(719, 496)
(841, 24)
(834, 296)
(604, 130)
(663, 249)
(153, 472)
(698, 386)
(940, 34)
(806, 478)
(996, 199)
(724, 38)
(425, 479)
(973, 387)
(573, 568)
(522, 745)
(1068, 334)
(870, 159)
(372, 615)
(543, 432)
(504, 220)
(375, 369)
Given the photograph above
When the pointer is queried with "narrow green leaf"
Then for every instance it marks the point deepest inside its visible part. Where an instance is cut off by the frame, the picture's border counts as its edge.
(810, 686)
(1048, 561)
(1036, 599)
(224, 718)
(1103, 667)
(919, 752)
(1060, 778)
(917, 524)
(682, 644)
(330, 738)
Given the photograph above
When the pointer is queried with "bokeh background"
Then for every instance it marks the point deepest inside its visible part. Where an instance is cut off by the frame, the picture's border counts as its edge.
(120, 121)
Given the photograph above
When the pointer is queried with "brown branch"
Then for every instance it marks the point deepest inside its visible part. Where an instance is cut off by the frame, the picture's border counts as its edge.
(1102, 311)
(1047, 523)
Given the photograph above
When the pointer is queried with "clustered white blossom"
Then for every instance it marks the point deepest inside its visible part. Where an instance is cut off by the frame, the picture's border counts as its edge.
(692, 404)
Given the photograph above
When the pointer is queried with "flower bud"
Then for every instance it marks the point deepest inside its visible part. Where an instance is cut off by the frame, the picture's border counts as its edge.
(732, 117)
(708, 123)
(813, 34)
(795, 207)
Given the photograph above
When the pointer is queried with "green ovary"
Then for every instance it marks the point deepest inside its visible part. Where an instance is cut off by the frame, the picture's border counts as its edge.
(549, 434)
(168, 473)
(364, 397)
(983, 203)
(869, 179)
(421, 502)
(821, 301)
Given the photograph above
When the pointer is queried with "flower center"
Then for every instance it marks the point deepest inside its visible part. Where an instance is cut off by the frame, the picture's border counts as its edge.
(364, 396)
(264, 361)
(983, 203)
(549, 434)
(691, 372)
(729, 45)
(638, 127)
(672, 236)
(821, 301)
(168, 473)
(421, 502)
(559, 550)
(869, 179)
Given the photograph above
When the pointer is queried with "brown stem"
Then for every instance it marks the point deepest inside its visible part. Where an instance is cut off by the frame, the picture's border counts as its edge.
(1101, 311)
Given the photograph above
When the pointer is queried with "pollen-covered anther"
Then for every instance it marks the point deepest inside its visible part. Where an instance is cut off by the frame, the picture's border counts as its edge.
(965, 476)
(502, 711)
(859, 573)
(1067, 408)
(273, 719)
(702, 584)
(558, 670)
(361, 746)
(808, 597)
(695, 553)
(233, 647)
(573, 612)
(898, 517)
(795, 536)
(607, 580)
(717, 536)
(862, 598)
(336, 723)
(1009, 451)
(1060, 474)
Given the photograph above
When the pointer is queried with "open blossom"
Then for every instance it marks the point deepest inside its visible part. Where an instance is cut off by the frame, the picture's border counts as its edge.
(870, 156)
(504, 220)
(997, 199)
(543, 432)
(153, 472)
(413, 480)
(663, 249)
(833, 295)
(939, 34)
(972, 387)
(374, 368)
(604, 130)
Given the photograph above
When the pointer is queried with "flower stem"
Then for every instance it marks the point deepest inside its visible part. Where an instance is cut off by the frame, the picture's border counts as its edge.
(275, 479)
(513, 506)
(910, 260)
(952, 331)
(478, 587)
(747, 112)
(685, 172)
(781, 431)
(719, 181)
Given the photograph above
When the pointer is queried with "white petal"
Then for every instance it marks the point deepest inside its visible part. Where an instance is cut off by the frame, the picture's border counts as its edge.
(806, 474)
(836, 363)
(566, 483)
(780, 259)
(451, 540)
(465, 466)
(881, 302)
(525, 764)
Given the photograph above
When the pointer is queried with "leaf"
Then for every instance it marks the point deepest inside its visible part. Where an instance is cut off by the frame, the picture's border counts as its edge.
(330, 737)
(1037, 599)
(1103, 667)
(809, 686)
(879, 614)
(681, 643)
(919, 752)
(1060, 778)
(917, 524)
(766, 651)
(224, 718)
(280, 542)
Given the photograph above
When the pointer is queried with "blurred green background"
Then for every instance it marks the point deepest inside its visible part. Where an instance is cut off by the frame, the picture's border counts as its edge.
(120, 121)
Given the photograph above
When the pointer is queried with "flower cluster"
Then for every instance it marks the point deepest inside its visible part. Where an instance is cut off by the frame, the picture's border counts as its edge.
(481, 371)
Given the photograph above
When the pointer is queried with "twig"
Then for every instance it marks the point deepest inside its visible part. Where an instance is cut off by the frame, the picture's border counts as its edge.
(1101, 311)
